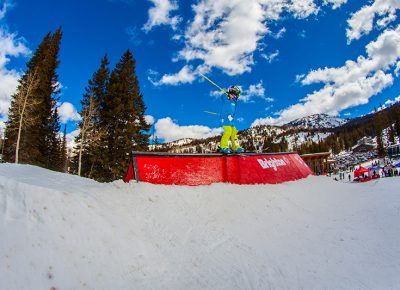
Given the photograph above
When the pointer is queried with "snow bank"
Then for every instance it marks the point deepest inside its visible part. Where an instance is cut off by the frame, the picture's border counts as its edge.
(67, 232)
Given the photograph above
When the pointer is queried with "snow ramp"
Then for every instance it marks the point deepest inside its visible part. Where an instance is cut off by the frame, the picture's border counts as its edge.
(205, 169)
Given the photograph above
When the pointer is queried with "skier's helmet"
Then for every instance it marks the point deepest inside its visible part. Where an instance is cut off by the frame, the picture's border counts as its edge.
(234, 92)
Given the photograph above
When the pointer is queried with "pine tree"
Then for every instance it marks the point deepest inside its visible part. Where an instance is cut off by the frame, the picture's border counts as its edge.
(20, 113)
(27, 148)
(2, 148)
(64, 153)
(51, 148)
(123, 115)
(396, 117)
(90, 148)
(379, 135)
(283, 145)
(391, 134)
(36, 128)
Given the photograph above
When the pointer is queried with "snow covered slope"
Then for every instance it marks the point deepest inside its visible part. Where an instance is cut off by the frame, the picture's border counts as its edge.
(318, 121)
(67, 232)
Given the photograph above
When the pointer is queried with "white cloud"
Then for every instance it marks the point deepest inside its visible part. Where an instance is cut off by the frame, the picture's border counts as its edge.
(362, 22)
(391, 102)
(218, 37)
(149, 119)
(7, 5)
(347, 86)
(169, 131)
(303, 8)
(67, 112)
(299, 77)
(152, 74)
(270, 57)
(2, 127)
(71, 138)
(397, 69)
(216, 94)
(248, 94)
(3, 10)
(59, 86)
(10, 46)
(382, 54)
(252, 91)
(267, 108)
(256, 90)
(302, 34)
(225, 34)
(265, 121)
(387, 104)
(335, 3)
(160, 14)
(133, 34)
(185, 75)
(280, 33)
(8, 86)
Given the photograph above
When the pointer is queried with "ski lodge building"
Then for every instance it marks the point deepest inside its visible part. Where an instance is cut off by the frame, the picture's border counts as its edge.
(394, 151)
(319, 163)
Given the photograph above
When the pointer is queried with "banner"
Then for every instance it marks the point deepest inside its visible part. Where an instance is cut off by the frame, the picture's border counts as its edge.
(204, 169)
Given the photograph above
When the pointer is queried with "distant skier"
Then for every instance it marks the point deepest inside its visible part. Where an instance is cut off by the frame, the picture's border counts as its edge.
(228, 122)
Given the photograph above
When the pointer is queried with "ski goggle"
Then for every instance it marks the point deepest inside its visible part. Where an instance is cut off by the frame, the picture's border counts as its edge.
(232, 96)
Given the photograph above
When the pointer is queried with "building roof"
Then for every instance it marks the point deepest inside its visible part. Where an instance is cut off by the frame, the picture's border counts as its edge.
(369, 145)
(394, 145)
(316, 155)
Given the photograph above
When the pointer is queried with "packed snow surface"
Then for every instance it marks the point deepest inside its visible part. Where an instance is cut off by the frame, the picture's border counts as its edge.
(65, 232)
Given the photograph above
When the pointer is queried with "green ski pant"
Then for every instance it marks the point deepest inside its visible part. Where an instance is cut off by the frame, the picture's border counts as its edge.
(230, 132)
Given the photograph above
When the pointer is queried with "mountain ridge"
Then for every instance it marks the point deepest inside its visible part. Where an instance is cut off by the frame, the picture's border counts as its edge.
(315, 133)
(319, 121)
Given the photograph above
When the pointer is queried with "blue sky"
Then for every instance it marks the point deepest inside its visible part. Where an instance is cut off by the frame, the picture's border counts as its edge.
(291, 58)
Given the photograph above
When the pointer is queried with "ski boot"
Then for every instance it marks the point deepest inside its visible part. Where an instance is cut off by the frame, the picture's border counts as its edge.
(238, 150)
(224, 150)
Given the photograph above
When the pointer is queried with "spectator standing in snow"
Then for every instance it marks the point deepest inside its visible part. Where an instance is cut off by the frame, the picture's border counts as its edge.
(228, 122)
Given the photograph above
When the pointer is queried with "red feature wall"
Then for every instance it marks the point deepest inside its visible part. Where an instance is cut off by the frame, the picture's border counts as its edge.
(204, 169)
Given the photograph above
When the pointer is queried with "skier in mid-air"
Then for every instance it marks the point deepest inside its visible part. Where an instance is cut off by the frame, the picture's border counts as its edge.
(228, 122)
